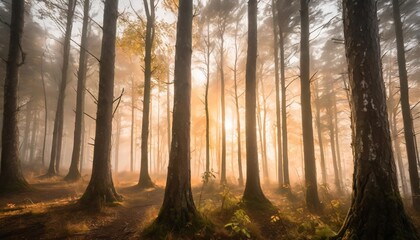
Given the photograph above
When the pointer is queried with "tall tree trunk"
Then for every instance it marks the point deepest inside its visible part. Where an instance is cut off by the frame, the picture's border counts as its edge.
(337, 142)
(45, 110)
(253, 192)
(28, 118)
(101, 187)
(337, 176)
(405, 108)
(222, 103)
(117, 144)
(206, 103)
(11, 177)
(238, 116)
(132, 136)
(32, 146)
(376, 210)
(168, 111)
(145, 181)
(278, 109)
(74, 174)
(59, 115)
(284, 113)
(312, 199)
(178, 210)
(319, 131)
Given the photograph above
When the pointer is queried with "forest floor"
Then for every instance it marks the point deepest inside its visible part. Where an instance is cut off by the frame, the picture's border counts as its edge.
(50, 211)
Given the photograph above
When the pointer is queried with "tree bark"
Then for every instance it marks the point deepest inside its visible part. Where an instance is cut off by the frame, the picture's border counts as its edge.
(133, 125)
(278, 109)
(59, 118)
(376, 210)
(145, 181)
(178, 209)
(45, 110)
(253, 192)
(405, 108)
(11, 177)
(312, 199)
(101, 187)
(284, 112)
(206, 102)
(238, 116)
(337, 176)
(319, 131)
(222, 102)
(74, 174)
(117, 144)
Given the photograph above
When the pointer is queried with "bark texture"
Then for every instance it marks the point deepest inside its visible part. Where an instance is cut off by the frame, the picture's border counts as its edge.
(312, 199)
(101, 187)
(145, 181)
(178, 209)
(74, 174)
(11, 177)
(376, 210)
(253, 192)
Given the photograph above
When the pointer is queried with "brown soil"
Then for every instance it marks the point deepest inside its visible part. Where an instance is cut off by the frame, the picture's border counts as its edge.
(50, 211)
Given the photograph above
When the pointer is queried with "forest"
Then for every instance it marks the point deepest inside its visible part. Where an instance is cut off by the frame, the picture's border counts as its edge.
(210, 119)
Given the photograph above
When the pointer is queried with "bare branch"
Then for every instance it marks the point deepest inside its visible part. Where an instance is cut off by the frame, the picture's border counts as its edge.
(89, 116)
(93, 96)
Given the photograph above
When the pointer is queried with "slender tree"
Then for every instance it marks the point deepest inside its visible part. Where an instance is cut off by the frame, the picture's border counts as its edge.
(312, 199)
(238, 116)
(319, 131)
(406, 109)
(133, 125)
(145, 181)
(59, 114)
(11, 177)
(253, 192)
(277, 82)
(376, 210)
(101, 187)
(208, 52)
(74, 174)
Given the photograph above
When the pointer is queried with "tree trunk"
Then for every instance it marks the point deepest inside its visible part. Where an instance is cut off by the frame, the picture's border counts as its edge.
(337, 143)
(11, 177)
(312, 199)
(178, 210)
(132, 137)
(74, 174)
(284, 113)
(25, 145)
(376, 210)
(319, 131)
(32, 146)
(253, 192)
(206, 103)
(238, 116)
(168, 111)
(145, 181)
(337, 180)
(278, 109)
(222, 103)
(59, 118)
(101, 187)
(395, 138)
(405, 108)
(117, 144)
(45, 109)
